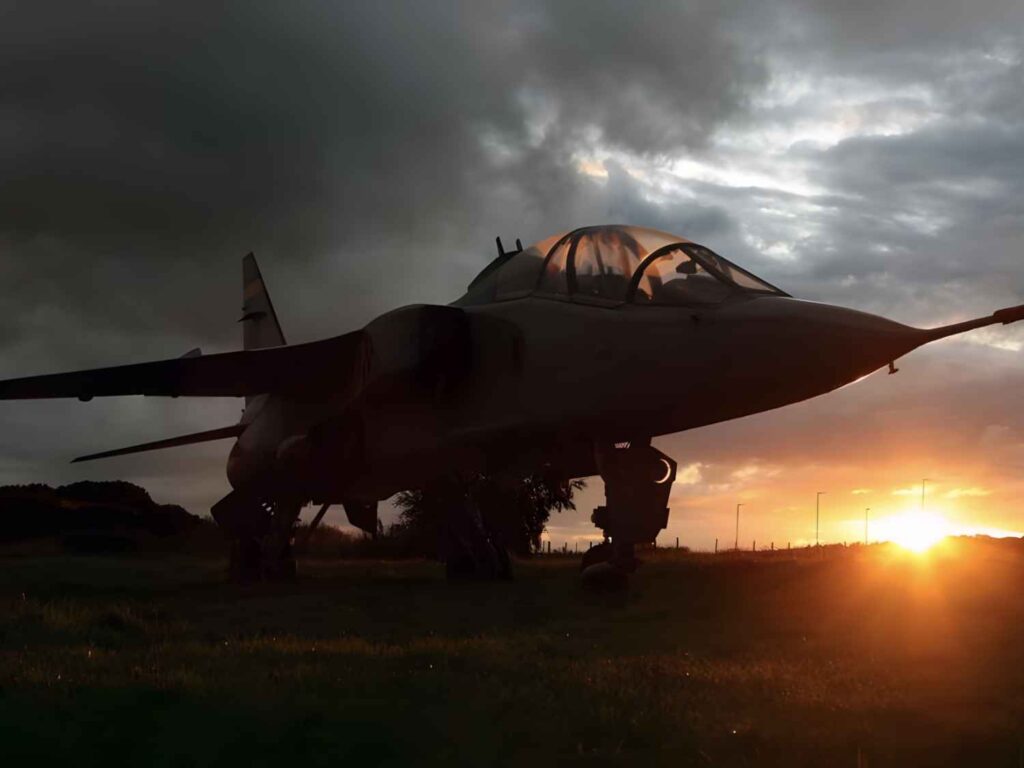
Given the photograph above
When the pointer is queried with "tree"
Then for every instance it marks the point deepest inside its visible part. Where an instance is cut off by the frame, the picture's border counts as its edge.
(516, 512)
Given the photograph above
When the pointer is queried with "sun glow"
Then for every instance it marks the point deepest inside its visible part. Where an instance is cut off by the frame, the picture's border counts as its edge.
(916, 531)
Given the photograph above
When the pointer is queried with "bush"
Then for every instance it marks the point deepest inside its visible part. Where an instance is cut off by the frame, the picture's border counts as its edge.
(516, 512)
(86, 514)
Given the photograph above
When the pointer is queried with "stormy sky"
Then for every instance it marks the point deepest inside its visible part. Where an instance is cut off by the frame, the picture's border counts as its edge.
(868, 154)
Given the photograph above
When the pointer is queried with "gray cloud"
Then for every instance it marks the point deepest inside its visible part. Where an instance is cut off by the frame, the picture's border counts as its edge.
(369, 154)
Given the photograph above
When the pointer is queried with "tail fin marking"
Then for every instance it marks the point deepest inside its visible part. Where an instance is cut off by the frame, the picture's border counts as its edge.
(260, 327)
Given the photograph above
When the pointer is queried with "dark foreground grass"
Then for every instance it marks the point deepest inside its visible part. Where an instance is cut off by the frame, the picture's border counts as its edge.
(845, 658)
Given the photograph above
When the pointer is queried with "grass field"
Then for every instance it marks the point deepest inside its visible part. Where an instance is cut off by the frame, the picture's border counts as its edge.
(845, 657)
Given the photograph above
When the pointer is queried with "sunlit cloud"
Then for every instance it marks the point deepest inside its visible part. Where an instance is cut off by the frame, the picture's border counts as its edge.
(592, 168)
(689, 474)
(996, 340)
(956, 493)
(753, 471)
(909, 491)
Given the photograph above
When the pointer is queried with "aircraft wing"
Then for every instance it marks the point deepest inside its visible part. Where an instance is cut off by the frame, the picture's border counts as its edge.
(320, 367)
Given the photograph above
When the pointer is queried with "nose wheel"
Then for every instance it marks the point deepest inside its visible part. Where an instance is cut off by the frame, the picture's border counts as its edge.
(637, 480)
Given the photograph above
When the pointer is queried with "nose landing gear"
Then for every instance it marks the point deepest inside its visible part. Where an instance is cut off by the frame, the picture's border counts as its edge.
(637, 479)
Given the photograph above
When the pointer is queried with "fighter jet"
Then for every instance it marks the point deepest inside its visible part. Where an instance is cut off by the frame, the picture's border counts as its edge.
(565, 358)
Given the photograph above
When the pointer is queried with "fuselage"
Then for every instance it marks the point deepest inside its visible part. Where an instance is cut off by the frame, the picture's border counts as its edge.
(545, 379)
(596, 337)
(600, 335)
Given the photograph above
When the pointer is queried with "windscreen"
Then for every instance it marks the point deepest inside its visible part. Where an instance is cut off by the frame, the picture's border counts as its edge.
(740, 277)
(675, 277)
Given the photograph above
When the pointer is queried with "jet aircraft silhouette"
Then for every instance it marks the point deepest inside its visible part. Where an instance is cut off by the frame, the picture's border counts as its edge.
(565, 358)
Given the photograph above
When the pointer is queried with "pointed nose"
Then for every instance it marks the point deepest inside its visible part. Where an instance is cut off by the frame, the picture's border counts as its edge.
(826, 345)
(851, 344)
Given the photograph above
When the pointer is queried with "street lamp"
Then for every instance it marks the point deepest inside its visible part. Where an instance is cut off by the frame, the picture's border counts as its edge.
(817, 515)
(923, 481)
(737, 544)
(868, 509)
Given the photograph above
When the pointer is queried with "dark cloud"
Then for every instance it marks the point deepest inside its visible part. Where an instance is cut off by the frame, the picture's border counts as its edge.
(144, 135)
(370, 152)
(909, 26)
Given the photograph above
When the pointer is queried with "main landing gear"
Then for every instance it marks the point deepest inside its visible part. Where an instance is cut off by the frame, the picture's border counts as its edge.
(637, 481)
(471, 548)
(261, 535)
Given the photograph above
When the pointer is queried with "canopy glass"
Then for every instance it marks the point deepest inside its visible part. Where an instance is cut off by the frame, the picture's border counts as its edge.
(616, 264)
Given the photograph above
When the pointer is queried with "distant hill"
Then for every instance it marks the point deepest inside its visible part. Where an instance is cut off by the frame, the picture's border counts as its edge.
(100, 516)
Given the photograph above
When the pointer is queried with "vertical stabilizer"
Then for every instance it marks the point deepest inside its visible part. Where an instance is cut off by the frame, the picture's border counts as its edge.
(259, 321)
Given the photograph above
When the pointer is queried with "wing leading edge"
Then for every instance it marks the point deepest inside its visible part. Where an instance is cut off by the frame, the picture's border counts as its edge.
(320, 367)
(171, 442)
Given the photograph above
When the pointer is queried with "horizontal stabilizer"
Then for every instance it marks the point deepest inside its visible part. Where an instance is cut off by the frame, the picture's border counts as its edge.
(196, 437)
(334, 365)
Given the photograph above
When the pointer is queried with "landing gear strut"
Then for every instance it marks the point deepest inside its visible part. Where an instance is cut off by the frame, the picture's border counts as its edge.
(470, 547)
(637, 481)
(261, 534)
(278, 555)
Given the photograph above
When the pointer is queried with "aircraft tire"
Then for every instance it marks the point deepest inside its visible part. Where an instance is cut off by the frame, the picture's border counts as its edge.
(601, 553)
(605, 577)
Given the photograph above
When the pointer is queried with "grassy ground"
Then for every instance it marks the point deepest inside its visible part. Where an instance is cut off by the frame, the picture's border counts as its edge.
(848, 657)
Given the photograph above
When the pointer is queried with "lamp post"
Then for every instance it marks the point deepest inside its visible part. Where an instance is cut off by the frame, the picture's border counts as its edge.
(817, 516)
(737, 544)
(868, 509)
(923, 481)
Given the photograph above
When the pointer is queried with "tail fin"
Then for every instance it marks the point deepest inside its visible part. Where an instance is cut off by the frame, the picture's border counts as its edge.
(259, 321)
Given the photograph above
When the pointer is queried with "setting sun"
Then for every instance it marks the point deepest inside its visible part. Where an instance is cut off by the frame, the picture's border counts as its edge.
(915, 531)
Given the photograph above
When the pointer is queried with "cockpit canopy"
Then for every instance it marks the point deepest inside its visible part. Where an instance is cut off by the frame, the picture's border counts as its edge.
(613, 265)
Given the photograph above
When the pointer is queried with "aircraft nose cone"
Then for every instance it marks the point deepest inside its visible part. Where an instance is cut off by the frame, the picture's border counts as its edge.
(858, 336)
(852, 344)
(825, 345)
